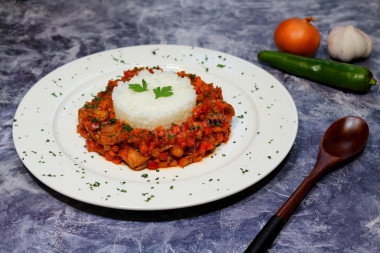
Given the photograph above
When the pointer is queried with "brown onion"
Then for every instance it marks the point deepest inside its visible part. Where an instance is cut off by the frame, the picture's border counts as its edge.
(297, 36)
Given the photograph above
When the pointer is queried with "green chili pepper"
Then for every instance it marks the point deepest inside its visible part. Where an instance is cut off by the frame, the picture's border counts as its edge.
(340, 75)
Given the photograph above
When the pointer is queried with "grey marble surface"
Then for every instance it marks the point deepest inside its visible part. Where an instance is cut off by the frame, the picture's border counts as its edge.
(342, 212)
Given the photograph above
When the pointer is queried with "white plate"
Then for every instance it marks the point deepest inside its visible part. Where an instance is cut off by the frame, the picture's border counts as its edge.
(263, 131)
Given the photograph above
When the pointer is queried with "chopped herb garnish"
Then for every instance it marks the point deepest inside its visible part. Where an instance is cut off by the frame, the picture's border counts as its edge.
(148, 199)
(127, 127)
(89, 106)
(192, 76)
(244, 171)
(137, 87)
(163, 92)
(96, 98)
(170, 136)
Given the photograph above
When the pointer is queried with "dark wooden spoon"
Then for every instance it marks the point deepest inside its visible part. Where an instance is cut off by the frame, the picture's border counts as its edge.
(342, 142)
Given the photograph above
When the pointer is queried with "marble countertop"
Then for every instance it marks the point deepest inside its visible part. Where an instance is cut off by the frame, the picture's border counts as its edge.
(340, 214)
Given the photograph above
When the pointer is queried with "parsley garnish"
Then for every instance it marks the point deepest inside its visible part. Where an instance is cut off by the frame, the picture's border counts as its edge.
(88, 106)
(96, 98)
(163, 92)
(127, 127)
(137, 87)
(192, 76)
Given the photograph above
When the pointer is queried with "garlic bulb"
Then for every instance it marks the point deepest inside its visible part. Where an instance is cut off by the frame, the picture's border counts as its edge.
(348, 43)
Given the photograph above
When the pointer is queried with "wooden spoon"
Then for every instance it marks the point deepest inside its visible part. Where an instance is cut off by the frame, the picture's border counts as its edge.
(342, 142)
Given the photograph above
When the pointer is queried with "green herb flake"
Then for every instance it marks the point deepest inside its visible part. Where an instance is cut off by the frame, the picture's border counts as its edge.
(96, 98)
(163, 92)
(127, 127)
(243, 171)
(148, 199)
(137, 87)
(96, 184)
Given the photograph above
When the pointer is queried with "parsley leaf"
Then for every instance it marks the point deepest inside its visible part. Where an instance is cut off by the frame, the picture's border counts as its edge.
(127, 127)
(163, 92)
(137, 87)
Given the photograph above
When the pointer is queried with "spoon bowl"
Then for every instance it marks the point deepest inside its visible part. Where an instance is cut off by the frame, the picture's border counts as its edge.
(345, 137)
(342, 142)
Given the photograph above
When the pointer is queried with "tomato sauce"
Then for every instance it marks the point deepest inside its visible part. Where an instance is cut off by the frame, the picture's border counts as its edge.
(179, 145)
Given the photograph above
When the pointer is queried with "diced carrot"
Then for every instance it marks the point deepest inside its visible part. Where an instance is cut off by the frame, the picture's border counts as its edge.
(162, 164)
(152, 165)
(143, 148)
(117, 160)
(90, 145)
(220, 137)
(182, 162)
(190, 142)
(108, 156)
(173, 163)
(198, 159)
(115, 148)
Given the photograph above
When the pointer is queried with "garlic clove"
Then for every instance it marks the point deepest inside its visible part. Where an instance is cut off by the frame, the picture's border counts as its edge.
(369, 43)
(348, 43)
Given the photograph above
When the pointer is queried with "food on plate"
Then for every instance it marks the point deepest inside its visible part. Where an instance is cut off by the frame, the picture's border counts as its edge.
(152, 119)
(297, 36)
(340, 75)
(143, 109)
(348, 43)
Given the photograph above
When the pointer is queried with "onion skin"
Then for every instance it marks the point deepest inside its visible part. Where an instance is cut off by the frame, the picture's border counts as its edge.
(297, 36)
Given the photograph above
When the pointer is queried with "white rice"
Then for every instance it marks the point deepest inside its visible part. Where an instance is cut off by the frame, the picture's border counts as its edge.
(143, 110)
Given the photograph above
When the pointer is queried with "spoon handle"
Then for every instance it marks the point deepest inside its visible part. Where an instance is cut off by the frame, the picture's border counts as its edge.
(266, 236)
(272, 228)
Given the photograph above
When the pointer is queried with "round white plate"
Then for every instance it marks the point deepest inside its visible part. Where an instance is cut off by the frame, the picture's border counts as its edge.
(45, 137)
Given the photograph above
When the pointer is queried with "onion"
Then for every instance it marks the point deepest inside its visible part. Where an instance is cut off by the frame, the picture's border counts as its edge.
(297, 36)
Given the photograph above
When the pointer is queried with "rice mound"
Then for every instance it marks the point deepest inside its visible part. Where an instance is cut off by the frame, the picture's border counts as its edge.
(143, 110)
